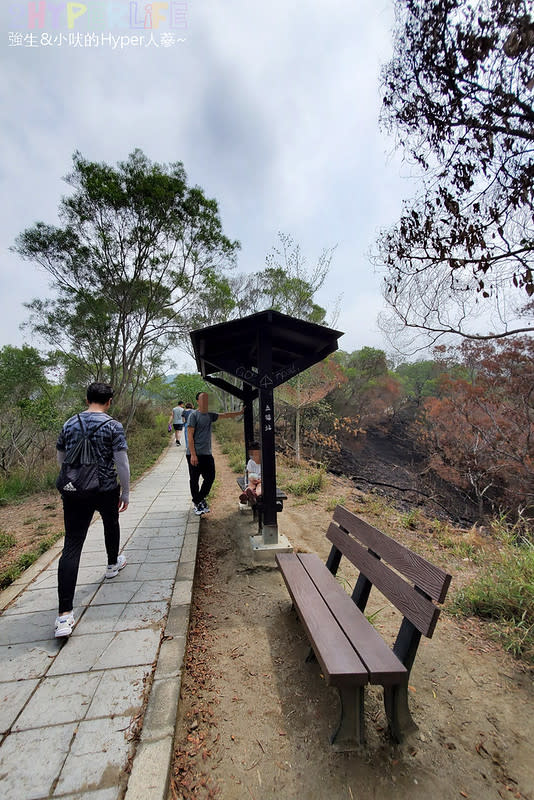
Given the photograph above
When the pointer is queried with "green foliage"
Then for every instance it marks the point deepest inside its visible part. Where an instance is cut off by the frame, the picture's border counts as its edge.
(504, 593)
(134, 243)
(458, 92)
(146, 442)
(308, 484)
(20, 484)
(229, 434)
(26, 560)
(186, 386)
(420, 379)
(369, 363)
(333, 502)
(21, 373)
(7, 541)
(411, 520)
(289, 286)
(28, 413)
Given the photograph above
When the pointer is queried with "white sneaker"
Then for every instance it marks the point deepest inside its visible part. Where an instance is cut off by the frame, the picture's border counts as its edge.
(112, 570)
(64, 625)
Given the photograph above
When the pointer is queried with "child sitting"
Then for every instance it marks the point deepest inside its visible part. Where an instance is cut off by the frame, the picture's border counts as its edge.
(253, 474)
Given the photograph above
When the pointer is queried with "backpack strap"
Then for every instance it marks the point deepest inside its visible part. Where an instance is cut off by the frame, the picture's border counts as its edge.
(91, 433)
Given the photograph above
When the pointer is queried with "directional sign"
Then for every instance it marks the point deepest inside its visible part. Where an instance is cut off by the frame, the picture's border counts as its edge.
(266, 380)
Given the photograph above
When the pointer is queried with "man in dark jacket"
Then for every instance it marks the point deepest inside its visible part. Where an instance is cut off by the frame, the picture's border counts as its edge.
(110, 447)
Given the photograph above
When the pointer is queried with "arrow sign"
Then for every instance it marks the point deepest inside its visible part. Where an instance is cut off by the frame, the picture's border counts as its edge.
(266, 381)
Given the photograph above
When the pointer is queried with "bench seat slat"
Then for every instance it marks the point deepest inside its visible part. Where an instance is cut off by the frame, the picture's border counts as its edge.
(383, 665)
(431, 579)
(340, 663)
(413, 605)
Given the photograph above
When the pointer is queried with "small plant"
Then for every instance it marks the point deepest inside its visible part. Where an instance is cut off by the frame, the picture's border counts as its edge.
(411, 520)
(21, 484)
(7, 541)
(309, 484)
(333, 502)
(504, 593)
(42, 528)
(26, 560)
(373, 615)
(374, 504)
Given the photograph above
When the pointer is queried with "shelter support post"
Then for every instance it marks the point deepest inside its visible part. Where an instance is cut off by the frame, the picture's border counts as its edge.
(268, 462)
(268, 467)
(248, 417)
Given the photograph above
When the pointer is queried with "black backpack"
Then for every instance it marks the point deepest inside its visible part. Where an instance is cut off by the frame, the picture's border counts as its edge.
(79, 471)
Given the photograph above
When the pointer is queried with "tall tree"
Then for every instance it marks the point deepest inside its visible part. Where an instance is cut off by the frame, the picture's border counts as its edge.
(134, 242)
(371, 393)
(458, 91)
(307, 388)
(289, 284)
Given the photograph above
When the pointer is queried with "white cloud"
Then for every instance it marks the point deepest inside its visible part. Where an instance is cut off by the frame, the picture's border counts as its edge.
(271, 107)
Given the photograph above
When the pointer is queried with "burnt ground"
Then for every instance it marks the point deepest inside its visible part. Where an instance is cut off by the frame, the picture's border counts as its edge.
(387, 464)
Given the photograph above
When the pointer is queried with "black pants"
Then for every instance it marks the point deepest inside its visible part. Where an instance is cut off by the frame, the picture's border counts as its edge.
(205, 469)
(77, 514)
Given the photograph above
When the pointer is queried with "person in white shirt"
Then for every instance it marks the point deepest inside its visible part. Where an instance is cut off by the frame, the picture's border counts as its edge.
(253, 487)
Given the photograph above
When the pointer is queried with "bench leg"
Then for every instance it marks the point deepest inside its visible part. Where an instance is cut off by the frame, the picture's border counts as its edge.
(398, 713)
(350, 733)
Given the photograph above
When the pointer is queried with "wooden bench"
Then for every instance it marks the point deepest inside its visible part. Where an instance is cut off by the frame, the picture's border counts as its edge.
(349, 649)
(257, 507)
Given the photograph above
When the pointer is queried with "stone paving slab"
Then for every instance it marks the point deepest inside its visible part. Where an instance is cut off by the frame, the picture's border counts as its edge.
(93, 716)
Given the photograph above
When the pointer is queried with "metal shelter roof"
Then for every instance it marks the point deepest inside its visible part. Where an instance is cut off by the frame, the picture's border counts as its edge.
(244, 347)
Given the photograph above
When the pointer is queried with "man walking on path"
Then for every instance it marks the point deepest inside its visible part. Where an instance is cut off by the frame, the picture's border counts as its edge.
(177, 420)
(110, 448)
(199, 458)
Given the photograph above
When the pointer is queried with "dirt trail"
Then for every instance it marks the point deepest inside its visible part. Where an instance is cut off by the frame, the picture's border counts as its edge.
(255, 717)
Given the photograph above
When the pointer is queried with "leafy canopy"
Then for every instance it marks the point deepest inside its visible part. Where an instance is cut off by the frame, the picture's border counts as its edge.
(133, 243)
(459, 93)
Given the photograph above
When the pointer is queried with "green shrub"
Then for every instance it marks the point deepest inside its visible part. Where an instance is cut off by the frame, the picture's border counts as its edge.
(411, 520)
(309, 483)
(229, 434)
(146, 442)
(504, 593)
(26, 560)
(334, 502)
(21, 484)
(7, 541)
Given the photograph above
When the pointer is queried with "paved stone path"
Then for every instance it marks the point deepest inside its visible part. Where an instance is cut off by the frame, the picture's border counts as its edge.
(71, 711)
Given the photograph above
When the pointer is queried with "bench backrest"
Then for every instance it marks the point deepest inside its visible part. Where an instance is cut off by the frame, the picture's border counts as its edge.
(408, 580)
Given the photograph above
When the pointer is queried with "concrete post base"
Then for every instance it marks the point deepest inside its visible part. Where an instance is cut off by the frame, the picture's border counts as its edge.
(267, 552)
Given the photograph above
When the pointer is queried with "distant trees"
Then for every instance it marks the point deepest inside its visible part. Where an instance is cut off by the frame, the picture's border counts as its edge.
(28, 409)
(469, 414)
(307, 389)
(288, 283)
(135, 242)
(184, 386)
(458, 92)
(371, 391)
(481, 429)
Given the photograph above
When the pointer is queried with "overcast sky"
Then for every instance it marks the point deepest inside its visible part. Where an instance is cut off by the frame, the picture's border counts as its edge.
(272, 108)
